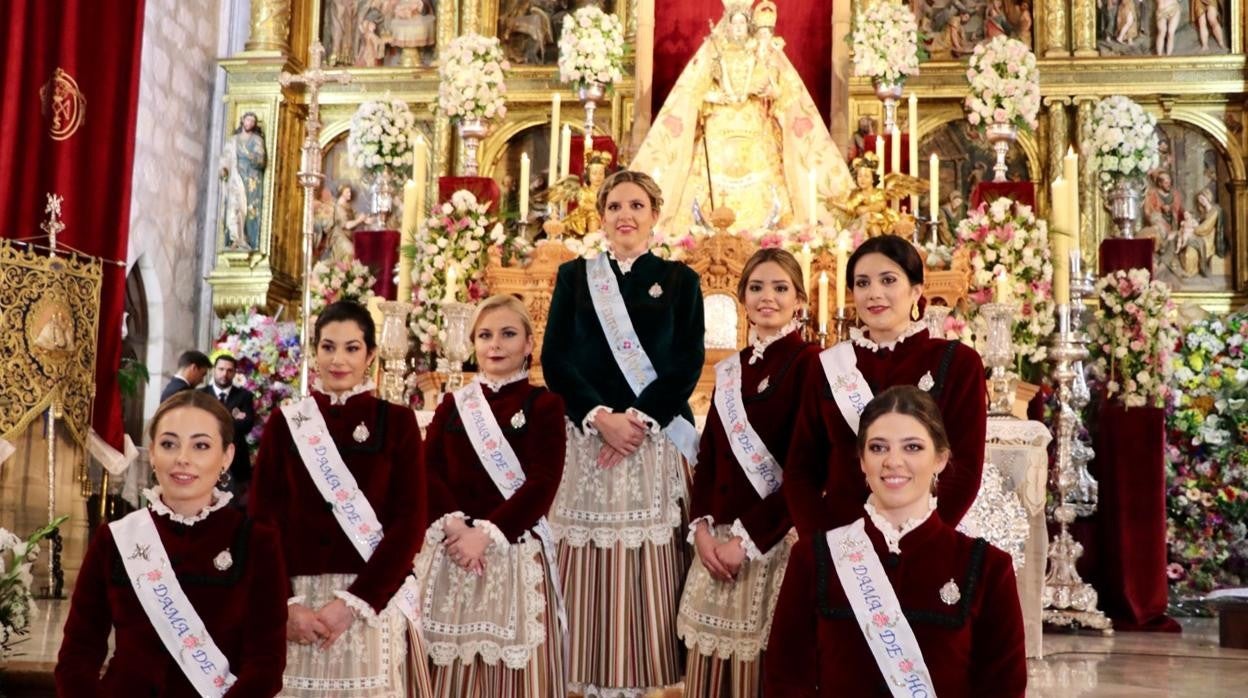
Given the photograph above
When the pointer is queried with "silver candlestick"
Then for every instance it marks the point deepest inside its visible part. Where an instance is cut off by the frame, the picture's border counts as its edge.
(456, 348)
(1087, 490)
(999, 356)
(1068, 600)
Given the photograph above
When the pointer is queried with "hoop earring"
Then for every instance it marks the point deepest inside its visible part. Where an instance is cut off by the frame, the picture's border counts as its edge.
(914, 312)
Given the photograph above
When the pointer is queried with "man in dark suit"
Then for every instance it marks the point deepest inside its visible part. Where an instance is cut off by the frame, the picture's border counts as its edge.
(241, 405)
(192, 367)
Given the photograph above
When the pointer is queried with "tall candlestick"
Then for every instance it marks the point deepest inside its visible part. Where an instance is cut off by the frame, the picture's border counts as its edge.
(823, 302)
(1061, 269)
(879, 156)
(1070, 171)
(842, 260)
(933, 194)
(1059, 199)
(524, 187)
(452, 281)
(407, 235)
(804, 258)
(912, 138)
(565, 152)
(555, 100)
(812, 198)
(420, 174)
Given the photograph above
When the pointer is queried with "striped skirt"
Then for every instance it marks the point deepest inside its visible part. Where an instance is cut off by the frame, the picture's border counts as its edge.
(622, 561)
(380, 660)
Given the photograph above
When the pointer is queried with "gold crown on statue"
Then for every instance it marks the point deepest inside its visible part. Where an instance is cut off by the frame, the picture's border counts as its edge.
(599, 157)
(867, 159)
(765, 14)
(732, 7)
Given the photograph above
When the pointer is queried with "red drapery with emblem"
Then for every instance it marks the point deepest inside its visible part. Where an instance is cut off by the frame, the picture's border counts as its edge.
(805, 26)
(69, 90)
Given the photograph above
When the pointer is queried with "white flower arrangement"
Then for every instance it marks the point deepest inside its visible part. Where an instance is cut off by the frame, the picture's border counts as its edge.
(1132, 338)
(470, 79)
(460, 232)
(341, 281)
(16, 600)
(382, 137)
(1124, 140)
(1005, 85)
(885, 43)
(591, 47)
(1007, 238)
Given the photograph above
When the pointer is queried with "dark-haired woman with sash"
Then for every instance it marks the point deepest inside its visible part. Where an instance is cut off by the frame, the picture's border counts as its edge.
(903, 604)
(740, 526)
(624, 349)
(492, 615)
(194, 590)
(341, 474)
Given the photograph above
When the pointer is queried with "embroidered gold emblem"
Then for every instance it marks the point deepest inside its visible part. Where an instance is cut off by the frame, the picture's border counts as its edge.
(950, 593)
(360, 434)
(63, 105)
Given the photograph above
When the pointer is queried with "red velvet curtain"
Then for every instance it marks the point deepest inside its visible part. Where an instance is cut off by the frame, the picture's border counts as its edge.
(97, 45)
(805, 25)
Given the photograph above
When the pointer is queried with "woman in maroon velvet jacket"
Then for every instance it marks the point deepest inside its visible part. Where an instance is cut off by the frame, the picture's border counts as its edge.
(343, 626)
(229, 568)
(957, 595)
(740, 533)
(487, 559)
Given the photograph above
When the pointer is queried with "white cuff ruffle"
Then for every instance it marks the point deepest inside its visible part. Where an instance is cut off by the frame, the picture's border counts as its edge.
(439, 529)
(751, 551)
(693, 527)
(587, 424)
(650, 422)
(300, 600)
(359, 607)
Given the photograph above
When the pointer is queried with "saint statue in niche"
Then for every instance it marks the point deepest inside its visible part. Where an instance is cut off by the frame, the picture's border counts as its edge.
(243, 161)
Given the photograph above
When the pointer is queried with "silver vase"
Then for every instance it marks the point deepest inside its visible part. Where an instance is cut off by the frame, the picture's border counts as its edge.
(458, 345)
(471, 132)
(999, 356)
(1123, 198)
(590, 94)
(393, 344)
(1001, 136)
(889, 93)
(381, 204)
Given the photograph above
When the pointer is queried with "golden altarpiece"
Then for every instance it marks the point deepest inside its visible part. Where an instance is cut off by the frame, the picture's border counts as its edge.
(1197, 94)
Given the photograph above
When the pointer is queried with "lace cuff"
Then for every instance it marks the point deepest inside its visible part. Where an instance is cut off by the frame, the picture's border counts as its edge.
(652, 425)
(587, 424)
(494, 532)
(359, 607)
(296, 600)
(693, 527)
(751, 551)
(438, 529)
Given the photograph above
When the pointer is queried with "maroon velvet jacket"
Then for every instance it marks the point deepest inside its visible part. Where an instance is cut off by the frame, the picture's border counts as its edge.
(458, 481)
(387, 466)
(243, 608)
(823, 483)
(972, 648)
(720, 489)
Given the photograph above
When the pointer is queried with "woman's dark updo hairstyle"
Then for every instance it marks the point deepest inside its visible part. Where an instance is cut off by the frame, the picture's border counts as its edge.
(896, 248)
(911, 401)
(348, 311)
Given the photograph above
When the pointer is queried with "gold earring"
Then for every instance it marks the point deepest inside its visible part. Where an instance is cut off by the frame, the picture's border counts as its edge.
(914, 311)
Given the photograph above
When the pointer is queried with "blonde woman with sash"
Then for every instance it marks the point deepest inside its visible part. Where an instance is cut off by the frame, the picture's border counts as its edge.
(904, 604)
(740, 528)
(624, 349)
(194, 591)
(341, 474)
(492, 615)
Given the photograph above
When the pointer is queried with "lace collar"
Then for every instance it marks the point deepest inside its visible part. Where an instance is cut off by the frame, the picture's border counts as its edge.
(341, 398)
(760, 345)
(626, 265)
(157, 505)
(892, 533)
(522, 374)
(861, 339)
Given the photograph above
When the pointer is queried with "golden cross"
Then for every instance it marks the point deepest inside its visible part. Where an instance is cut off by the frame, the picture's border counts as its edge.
(53, 226)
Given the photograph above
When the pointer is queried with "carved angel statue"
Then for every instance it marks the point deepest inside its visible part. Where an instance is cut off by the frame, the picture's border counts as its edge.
(867, 207)
(584, 220)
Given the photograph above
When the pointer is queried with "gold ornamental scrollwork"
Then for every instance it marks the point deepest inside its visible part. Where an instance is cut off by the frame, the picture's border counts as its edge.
(270, 26)
(1056, 30)
(49, 315)
(63, 105)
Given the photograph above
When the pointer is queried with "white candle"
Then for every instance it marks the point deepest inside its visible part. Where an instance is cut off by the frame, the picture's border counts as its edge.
(407, 234)
(812, 198)
(823, 301)
(933, 194)
(452, 280)
(894, 146)
(565, 152)
(524, 187)
(555, 100)
(1059, 199)
(1003, 288)
(804, 258)
(879, 156)
(912, 138)
(420, 174)
(842, 260)
(1070, 171)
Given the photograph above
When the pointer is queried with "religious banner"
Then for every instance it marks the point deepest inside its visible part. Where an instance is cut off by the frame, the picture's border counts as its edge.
(49, 316)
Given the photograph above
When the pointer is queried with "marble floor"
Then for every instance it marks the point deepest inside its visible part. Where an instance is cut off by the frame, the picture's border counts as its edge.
(1135, 665)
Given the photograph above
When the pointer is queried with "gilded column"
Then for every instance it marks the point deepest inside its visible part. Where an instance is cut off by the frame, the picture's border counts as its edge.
(448, 21)
(1083, 26)
(470, 19)
(270, 26)
(1056, 36)
(1090, 211)
(1059, 135)
(1239, 199)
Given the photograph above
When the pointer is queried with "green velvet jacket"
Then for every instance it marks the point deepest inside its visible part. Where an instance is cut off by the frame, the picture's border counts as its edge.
(664, 301)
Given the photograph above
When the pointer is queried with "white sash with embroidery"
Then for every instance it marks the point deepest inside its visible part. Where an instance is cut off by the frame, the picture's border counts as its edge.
(175, 620)
(503, 466)
(849, 386)
(752, 455)
(626, 348)
(337, 485)
(879, 614)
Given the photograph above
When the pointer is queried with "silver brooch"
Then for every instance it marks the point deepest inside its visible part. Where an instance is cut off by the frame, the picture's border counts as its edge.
(360, 434)
(762, 385)
(517, 420)
(656, 291)
(926, 382)
(949, 593)
(223, 561)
